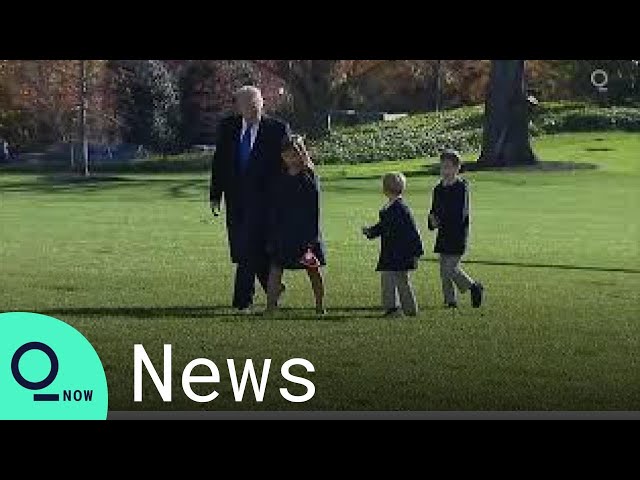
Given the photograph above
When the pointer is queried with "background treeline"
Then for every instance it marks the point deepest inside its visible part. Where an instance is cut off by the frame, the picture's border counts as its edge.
(169, 105)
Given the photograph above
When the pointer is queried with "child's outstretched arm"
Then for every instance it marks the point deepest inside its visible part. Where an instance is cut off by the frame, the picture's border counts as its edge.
(433, 222)
(415, 239)
(465, 204)
(374, 231)
(458, 209)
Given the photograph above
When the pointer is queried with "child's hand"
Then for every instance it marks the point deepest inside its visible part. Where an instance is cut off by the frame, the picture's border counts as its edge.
(365, 231)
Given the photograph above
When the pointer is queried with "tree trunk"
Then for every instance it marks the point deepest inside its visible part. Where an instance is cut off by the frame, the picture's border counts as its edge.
(506, 119)
(437, 85)
(83, 118)
(310, 112)
(318, 98)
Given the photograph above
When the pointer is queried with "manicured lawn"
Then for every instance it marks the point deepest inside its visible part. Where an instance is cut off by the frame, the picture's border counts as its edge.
(138, 259)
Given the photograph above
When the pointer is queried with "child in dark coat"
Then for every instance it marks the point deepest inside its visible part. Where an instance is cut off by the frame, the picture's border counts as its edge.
(294, 240)
(449, 214)
(401, 247)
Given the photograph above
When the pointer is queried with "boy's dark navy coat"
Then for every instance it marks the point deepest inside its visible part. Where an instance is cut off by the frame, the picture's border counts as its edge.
(246, 194)
(450, 204)
(401, 245)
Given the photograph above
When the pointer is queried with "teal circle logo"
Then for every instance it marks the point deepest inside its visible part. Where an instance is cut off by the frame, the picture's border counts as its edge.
(48, 371)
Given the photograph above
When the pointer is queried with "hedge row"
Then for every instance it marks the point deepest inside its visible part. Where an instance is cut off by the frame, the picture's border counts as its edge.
(414, 136)
(588, 119)
(424, 135)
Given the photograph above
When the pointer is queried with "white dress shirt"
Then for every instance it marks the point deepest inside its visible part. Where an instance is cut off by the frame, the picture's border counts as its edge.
(254, 131)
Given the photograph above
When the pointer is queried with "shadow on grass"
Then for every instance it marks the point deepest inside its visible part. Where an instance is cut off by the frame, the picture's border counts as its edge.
(433, 169)
(176, 188)
(63, 182)
(144, 312)
(197, 187)
(543, 265)
(183, 163)
(540, 166)
(209, 311)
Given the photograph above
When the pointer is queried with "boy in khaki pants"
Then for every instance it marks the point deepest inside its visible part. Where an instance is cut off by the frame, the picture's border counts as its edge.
(401, 247)
(449, 214)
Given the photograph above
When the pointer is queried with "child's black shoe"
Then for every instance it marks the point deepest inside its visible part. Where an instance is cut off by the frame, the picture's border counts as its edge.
(476, 294)
(392, 312)
(451, 305)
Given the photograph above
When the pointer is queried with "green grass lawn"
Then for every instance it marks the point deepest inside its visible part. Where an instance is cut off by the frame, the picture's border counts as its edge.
(138, 259)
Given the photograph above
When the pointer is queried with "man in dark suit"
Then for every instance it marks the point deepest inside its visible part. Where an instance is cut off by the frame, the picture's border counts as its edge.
(246, 161)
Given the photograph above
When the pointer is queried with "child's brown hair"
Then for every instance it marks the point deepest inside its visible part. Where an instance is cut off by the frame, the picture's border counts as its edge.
(452, 156)
(295, 143)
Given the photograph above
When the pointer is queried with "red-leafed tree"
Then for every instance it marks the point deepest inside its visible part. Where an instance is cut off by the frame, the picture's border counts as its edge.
(56, 101)
(316, 87)
(206, 92)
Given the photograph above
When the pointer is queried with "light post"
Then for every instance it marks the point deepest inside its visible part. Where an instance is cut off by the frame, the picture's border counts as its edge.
(600, 80)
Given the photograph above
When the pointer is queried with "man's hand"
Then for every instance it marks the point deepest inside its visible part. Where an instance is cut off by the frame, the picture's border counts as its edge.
(365, 231)
(434, 220)
(215, 208)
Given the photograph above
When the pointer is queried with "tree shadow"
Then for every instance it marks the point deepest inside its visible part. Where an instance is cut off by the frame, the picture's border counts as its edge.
(47, 184)
(433, 169)
(342, 309)
(59, 183)
(209, 311)
(540, 166)
(308, 316)
(169, 164)
(423, 171)
(333, 314)
(201, 311)
(543, 265)
(196, 188)
(69, 183)
(185, 188)
(599, 149)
